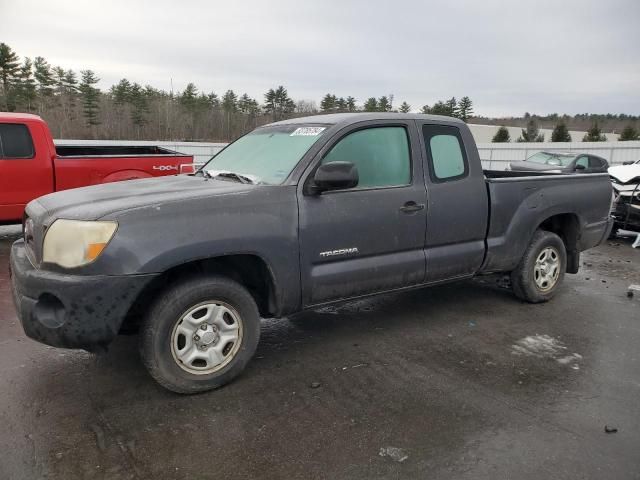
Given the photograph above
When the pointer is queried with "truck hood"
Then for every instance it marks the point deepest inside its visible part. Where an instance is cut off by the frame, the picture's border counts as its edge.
(92, 203)
(626, 173)
(534, 167)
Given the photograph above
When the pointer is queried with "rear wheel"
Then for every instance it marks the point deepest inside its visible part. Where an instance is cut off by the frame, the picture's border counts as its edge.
(541, 269)
(200, 334)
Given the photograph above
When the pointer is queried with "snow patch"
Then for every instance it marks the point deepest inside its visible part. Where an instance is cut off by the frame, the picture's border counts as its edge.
(538, 346)
(396, 454)
(545, 346)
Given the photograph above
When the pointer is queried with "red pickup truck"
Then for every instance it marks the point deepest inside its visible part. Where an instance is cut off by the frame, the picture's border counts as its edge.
(31, 165)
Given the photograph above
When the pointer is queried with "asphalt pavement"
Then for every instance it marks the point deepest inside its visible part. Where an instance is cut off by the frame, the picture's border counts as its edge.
(461, 381)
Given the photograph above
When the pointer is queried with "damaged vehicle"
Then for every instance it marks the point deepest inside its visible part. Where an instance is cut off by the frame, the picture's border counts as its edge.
(626, 190)
(293, 216)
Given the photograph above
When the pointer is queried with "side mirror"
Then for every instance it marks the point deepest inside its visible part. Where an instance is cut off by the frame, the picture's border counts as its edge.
(580, 167)
(334, 176)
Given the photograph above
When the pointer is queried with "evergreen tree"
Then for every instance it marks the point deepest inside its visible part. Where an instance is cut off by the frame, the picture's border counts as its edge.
(90, 97)
(351, 104)
(213, 101)
(560, 133)
(426, 109)
(328, 103)
(44, 77)
(58, 76)
(278, 103)
(202, 103)
(629, 133)
(502, 136)
(341, 104)
(371, 105)
(441, 108)
(384, 104)
(9, 75)
(248, 105)
(26, 89)
(594, 134)
(465, 108)
(531, 133)
(70, 82)
(452, 107)
(230, 102)
(137, 97)
(121, 92)
(405, 107)
(189, 98)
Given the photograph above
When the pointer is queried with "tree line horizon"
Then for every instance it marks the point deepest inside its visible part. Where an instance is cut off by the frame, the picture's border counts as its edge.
(74, 107)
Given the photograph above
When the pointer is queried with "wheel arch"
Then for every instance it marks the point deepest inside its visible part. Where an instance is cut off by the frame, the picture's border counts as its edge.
(567, 226)
(249, 270)
(129, 174)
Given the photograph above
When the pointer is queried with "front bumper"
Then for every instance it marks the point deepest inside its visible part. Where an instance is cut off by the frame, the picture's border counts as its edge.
(71, 311)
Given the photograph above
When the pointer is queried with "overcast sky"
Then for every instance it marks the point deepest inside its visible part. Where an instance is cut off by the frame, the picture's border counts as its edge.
(508, 56)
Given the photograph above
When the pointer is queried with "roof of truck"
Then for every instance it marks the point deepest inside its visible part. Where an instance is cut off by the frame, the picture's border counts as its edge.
(348, 118)
(19, 117)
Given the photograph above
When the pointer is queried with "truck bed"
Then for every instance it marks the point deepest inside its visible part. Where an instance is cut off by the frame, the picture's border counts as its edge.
(520, 202)
(113, 151)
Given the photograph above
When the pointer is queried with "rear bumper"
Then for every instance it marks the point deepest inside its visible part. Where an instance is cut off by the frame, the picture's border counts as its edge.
(71, 311)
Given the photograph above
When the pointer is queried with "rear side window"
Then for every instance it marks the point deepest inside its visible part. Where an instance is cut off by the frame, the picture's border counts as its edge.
(381, 155)
(445, 152)
(584, 161)
(15, 141)
(595, 162)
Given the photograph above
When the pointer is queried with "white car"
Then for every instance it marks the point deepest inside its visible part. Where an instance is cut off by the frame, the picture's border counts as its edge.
(626, 189)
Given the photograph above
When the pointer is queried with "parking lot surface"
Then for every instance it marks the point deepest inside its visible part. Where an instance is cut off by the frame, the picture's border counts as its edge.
(453, 382)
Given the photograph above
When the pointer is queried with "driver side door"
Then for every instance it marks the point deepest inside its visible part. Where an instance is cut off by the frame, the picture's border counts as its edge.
(369, 238)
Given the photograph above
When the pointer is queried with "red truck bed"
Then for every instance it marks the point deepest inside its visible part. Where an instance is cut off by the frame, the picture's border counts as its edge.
(32, 166)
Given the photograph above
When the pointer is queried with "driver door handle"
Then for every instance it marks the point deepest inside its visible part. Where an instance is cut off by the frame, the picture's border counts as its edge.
(411, 207)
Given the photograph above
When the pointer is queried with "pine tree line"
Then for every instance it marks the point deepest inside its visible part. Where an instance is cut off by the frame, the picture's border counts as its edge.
(75, 107)
(560, 133)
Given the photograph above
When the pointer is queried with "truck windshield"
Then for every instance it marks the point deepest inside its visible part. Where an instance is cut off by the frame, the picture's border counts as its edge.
(266, 155)
(555, 159)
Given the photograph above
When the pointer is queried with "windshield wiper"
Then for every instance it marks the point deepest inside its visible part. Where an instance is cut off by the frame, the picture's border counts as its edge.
(232, 175)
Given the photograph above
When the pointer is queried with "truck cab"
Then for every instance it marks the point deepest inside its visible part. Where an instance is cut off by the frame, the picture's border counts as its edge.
(27, 153)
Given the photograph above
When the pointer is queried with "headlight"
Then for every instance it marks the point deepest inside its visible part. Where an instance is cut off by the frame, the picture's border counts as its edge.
(73, 243)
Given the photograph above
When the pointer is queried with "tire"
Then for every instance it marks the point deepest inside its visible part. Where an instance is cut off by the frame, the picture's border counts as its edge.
(174, 331)
(528, 279)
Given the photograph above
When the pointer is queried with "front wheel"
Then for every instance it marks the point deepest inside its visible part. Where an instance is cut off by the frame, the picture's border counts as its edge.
(541, 269)
(199, 334)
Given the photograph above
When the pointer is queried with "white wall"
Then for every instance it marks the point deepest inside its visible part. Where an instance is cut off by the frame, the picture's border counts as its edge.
(494, 156)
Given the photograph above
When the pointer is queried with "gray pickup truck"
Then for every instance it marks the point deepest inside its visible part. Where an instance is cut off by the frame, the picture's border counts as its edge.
(294, 215)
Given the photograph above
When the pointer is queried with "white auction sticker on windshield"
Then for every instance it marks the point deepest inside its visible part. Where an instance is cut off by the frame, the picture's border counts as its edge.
(307, 131)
